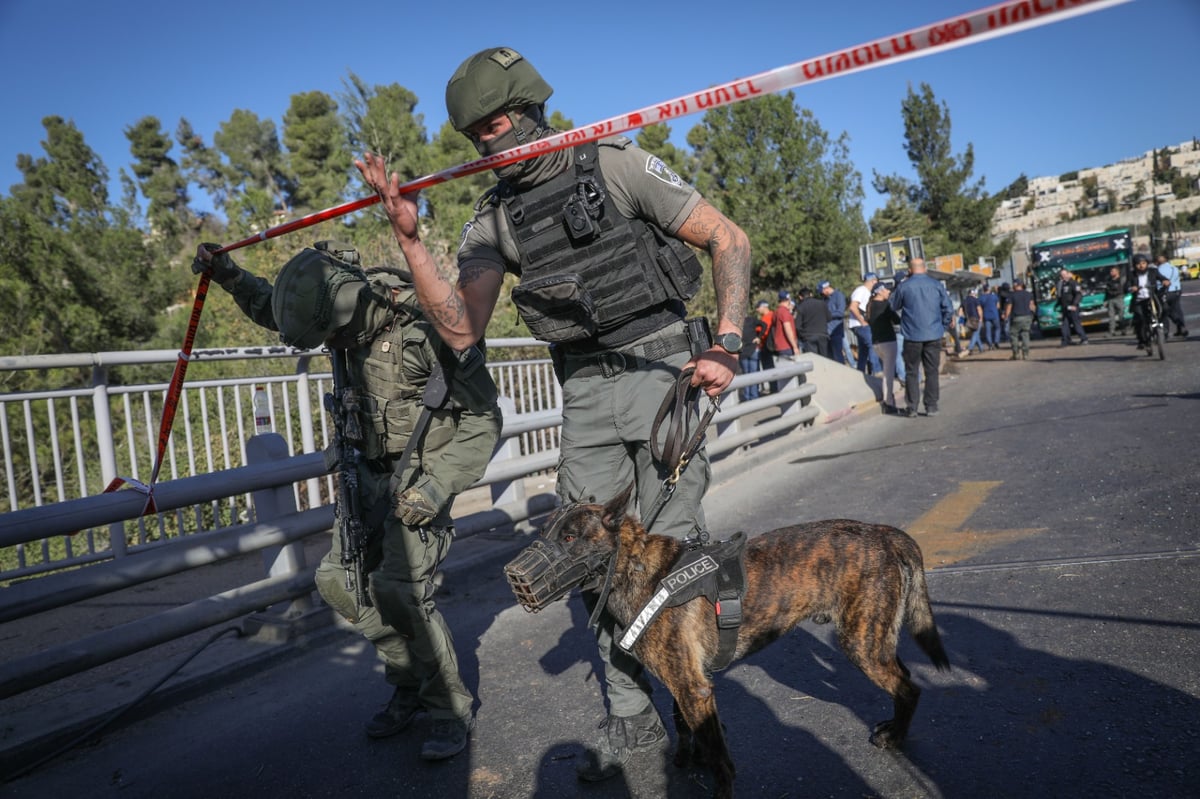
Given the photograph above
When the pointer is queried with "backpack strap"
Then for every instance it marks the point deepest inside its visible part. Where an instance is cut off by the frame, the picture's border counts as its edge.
(435, 396)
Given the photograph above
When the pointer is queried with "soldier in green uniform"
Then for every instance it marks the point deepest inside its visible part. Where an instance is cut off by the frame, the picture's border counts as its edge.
(390, 352)
(598, 234)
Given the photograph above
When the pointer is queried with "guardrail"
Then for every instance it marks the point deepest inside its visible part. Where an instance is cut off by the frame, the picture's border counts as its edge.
(280, 524)
(68, 443)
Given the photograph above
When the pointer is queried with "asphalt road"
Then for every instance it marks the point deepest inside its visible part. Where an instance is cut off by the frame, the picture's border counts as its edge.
(1058, 505)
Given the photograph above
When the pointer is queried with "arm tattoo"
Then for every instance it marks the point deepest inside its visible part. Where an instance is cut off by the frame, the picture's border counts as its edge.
(730, 251)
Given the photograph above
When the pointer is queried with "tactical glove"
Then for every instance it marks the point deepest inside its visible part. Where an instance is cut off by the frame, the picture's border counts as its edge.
(221, 267)
(417, 506)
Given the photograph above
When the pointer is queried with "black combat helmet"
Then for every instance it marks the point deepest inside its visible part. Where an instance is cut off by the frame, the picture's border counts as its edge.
(316, 294)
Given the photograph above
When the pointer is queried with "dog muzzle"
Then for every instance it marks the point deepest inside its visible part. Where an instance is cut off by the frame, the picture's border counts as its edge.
(545, 571)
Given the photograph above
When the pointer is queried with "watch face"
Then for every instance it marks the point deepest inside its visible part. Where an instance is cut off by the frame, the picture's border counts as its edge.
(730, 342)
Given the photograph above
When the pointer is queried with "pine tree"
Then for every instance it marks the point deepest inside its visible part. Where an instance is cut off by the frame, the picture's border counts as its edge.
(958, 212)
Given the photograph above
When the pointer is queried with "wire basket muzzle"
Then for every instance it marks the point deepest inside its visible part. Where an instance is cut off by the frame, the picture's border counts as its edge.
(543, 572)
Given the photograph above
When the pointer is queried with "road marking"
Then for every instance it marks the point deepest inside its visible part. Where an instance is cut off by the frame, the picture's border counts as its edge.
(941, 532)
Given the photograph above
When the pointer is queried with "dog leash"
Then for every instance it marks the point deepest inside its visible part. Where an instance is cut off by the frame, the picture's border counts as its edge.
(675, 453)
(677, 456)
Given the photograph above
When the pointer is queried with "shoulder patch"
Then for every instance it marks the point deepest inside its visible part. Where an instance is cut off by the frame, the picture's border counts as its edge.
(656, 168)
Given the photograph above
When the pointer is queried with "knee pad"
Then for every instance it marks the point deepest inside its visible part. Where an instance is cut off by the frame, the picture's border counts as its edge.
(331, 585)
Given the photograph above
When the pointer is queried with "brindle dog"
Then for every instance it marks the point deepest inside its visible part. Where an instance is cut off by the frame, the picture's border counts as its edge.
(868, 579)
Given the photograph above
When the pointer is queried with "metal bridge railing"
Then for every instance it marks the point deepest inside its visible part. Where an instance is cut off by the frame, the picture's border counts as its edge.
(69, 443)
(278, 525)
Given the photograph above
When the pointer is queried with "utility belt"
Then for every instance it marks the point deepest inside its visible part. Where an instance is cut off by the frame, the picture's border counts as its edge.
(612, 362)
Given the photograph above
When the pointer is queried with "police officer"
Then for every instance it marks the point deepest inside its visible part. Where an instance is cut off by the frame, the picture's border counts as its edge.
(597, 235)
(1070, 295)
(322, 296)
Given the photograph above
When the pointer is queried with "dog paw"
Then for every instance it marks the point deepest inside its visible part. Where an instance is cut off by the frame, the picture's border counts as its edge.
(886, 736)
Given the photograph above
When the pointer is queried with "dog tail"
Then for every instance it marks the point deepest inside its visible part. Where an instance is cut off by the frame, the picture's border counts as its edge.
(919, 620)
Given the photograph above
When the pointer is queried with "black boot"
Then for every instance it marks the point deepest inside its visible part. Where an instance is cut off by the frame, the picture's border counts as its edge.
(447, 739)
(401, 709)
(623, 736)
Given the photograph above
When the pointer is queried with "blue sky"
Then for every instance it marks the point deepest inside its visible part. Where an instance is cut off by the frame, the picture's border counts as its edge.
(1082, 92)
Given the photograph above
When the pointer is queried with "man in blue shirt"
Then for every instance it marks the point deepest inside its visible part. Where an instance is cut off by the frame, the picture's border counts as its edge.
(1172, 311)
(989, 303)
(925, 313)
(836, 302)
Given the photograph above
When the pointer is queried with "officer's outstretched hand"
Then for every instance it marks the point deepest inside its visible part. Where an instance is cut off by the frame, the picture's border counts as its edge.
(400, 207)
(417, 506)
(219, 265)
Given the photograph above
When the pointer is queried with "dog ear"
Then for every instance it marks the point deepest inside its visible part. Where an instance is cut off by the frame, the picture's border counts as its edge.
(614, 510)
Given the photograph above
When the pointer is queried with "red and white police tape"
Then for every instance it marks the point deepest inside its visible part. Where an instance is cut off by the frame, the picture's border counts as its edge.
(987, 23)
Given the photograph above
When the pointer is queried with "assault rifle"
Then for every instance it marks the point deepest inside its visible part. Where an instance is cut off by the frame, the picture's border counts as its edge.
(342, 405)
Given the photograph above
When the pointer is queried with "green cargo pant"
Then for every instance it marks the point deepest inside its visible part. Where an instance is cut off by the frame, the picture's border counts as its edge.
(605, 446)
(409, 634)
(1018, 334)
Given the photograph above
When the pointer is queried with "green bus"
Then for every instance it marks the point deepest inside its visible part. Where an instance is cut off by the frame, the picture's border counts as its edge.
(1088, 256)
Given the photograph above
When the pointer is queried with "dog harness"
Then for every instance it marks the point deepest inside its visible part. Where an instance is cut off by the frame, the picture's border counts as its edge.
(714, 570)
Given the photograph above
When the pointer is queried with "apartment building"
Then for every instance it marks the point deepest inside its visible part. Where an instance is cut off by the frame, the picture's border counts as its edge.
(1124, 186)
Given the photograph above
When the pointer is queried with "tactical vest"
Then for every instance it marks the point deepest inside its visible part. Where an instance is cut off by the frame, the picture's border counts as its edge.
(389, 399)
(590, 278)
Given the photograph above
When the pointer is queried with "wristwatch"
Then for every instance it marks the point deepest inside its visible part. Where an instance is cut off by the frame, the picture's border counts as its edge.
(730, 342)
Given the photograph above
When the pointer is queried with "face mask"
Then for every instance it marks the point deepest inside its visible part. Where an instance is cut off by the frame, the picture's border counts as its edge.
(526, 127)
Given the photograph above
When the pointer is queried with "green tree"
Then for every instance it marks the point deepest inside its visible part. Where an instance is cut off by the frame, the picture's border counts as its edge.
(77, 266)
(159, 178)
(318, 150)
(788, 184)
(1159, 243)
(1021, 185)
(381, 119)
(201, 164)
(898, 217)
(959, 211)
(69, 184)
(255, 170)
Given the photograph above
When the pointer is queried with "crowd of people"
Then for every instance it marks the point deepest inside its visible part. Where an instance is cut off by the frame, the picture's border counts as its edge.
(893, 330)
(867, 331)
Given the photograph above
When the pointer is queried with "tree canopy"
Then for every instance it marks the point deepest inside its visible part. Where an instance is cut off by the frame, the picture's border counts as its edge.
(772, 169)
(951, 212)
(80, 272)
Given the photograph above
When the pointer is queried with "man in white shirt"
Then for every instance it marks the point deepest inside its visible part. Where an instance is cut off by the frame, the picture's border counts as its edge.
(856, 319)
